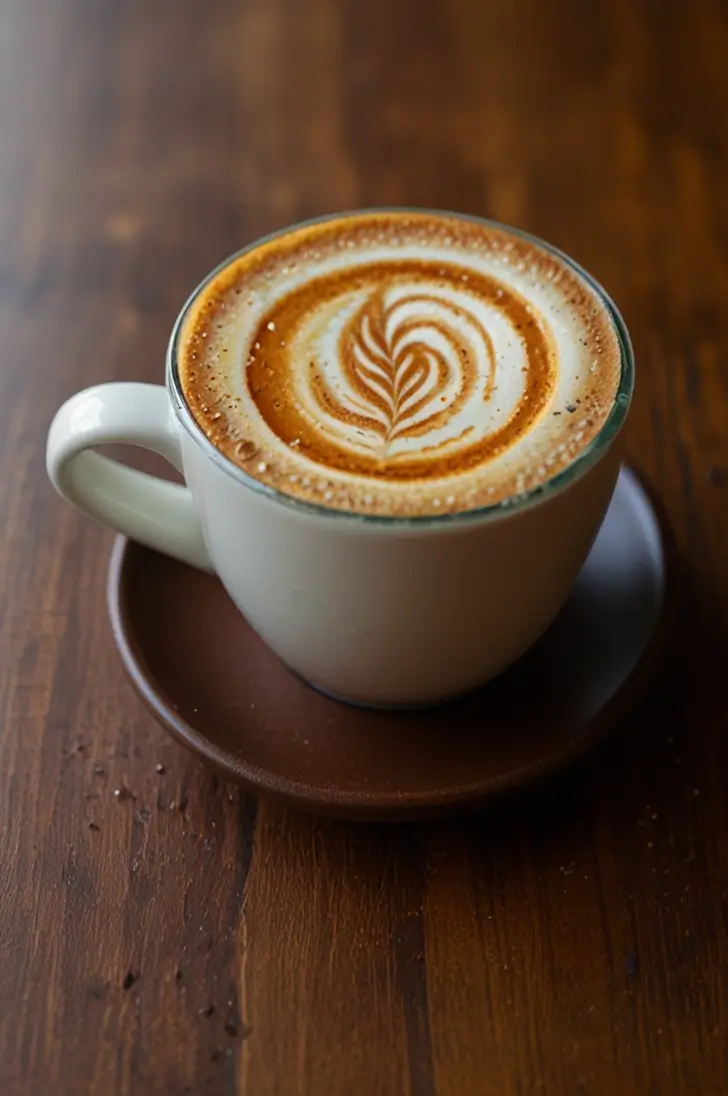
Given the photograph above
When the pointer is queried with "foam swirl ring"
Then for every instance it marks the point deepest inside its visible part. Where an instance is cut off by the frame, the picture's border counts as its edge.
(390, 369)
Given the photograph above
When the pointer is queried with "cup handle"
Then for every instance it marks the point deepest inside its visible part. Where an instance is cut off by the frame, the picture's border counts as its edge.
(145, 508)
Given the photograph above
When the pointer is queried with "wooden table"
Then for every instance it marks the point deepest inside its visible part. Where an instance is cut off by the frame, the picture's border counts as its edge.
(574, 940)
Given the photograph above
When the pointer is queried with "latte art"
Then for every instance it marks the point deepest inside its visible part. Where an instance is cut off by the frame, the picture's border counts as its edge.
(395, 376)
(399, 363)
(407, 366)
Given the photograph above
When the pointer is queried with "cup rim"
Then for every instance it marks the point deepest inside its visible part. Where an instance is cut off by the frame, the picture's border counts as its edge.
(512, 504)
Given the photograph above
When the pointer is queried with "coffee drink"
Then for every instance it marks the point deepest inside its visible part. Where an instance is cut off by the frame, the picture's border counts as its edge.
(399, 363)
(367, 367)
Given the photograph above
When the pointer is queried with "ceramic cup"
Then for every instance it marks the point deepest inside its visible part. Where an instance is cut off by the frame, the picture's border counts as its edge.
(374, 610)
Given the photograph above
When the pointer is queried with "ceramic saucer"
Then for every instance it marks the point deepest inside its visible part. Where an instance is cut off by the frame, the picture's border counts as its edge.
(221, 692)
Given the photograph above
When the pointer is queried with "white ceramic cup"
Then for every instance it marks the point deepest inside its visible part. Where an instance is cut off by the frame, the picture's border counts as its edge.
(374, 610)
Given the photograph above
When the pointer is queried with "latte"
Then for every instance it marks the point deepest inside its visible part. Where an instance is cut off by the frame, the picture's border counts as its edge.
(399, 363)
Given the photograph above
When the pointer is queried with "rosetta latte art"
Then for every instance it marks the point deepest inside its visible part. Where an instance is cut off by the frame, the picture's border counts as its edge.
(392, 371)
(408, 366)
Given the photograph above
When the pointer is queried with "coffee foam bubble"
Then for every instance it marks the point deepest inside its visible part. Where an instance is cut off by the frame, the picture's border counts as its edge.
(399, 363)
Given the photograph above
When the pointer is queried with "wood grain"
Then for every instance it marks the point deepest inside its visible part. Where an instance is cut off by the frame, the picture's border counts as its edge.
(180, 938)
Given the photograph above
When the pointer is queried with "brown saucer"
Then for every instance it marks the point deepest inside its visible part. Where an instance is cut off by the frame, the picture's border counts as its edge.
(207, 677)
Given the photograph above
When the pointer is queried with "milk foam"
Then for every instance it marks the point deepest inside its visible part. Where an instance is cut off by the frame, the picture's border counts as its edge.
(399, 363)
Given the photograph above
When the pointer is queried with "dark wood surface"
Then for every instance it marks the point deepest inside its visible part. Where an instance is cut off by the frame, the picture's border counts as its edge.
(187, 939)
